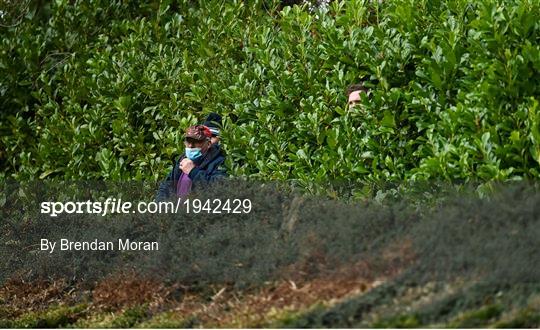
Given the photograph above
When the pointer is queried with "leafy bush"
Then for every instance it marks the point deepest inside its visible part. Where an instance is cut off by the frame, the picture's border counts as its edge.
(101, 89)
(283, 236)
(485, 248)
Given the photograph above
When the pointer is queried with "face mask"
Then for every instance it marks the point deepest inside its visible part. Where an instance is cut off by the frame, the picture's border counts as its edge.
(193, 153)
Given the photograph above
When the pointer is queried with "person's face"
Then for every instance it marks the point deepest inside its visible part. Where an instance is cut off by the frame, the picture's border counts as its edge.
(354, 98)
(193, 143)
(214, 139)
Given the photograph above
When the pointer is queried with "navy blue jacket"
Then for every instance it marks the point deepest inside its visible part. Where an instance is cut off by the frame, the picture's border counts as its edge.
(208, 169)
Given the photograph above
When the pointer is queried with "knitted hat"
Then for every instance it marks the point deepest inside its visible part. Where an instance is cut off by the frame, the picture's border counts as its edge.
(213, 122)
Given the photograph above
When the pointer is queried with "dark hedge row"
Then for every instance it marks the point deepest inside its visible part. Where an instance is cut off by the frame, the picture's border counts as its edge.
(485, 250)
(103, 89)
(491, 240)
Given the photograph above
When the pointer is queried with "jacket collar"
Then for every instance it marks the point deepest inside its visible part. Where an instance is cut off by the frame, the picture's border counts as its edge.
(210, 155)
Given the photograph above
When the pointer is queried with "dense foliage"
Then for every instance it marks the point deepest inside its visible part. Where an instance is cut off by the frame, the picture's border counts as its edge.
(104, 89)
(459, 257)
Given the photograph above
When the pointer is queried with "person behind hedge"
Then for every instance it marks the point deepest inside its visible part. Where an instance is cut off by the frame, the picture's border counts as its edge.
(202, 162)
(353, 94)
(213, 122)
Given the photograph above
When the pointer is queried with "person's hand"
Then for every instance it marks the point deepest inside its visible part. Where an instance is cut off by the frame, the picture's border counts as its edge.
(186, 165)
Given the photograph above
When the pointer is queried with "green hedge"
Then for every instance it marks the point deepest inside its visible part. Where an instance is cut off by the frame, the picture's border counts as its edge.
(104, 89)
